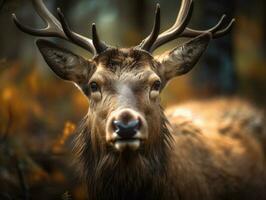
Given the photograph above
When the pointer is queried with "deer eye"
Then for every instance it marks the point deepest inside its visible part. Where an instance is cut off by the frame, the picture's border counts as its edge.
(94, 87)
(156, 86)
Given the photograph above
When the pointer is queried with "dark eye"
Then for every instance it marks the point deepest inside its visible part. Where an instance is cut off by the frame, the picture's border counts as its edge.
(156, 86)
(94, 87)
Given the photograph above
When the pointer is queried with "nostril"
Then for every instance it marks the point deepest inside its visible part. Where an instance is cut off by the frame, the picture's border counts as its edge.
(134, 124)
(126, 130)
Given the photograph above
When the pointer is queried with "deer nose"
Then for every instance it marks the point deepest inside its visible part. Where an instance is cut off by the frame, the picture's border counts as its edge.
(126, 130)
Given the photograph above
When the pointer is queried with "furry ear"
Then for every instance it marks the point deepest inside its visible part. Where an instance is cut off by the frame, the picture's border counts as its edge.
(64, 63)
(182, 59)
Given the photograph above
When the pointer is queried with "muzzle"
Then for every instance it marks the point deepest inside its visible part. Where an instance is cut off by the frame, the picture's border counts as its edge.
(126, 129)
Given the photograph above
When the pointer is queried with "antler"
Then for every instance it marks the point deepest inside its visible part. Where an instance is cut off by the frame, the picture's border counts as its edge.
(61, 29)
(180, 29)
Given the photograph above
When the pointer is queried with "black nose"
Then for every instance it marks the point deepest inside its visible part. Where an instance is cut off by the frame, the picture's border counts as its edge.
(127, 130)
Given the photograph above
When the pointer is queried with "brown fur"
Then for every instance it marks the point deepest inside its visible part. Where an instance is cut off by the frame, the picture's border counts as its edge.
(211, 150)
(214, 150)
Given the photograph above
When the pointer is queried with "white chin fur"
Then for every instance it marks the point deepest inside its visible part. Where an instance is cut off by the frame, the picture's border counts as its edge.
(129, 144)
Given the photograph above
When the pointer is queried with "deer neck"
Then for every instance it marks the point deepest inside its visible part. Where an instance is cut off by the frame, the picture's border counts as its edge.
(132, 173)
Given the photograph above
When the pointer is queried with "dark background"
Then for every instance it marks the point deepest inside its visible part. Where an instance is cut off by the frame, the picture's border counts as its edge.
(39, 112)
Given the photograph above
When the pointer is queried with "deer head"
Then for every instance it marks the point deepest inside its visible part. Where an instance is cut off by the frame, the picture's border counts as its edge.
(123, 85)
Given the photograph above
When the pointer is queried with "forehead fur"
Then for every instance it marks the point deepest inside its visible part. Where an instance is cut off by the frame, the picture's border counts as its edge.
(124, 58)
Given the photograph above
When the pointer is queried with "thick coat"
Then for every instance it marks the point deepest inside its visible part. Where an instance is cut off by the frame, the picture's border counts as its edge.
(212, 150)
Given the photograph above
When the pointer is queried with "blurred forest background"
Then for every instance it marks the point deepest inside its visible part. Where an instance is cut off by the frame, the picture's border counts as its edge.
(39, 112)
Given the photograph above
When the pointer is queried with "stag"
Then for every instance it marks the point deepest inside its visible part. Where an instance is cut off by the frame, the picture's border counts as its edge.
(125, 146)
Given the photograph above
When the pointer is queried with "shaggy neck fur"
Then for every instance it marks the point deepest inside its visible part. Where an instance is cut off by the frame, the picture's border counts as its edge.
(130, 175)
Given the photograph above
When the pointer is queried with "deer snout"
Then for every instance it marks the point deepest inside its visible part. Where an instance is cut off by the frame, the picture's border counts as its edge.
(126, 129)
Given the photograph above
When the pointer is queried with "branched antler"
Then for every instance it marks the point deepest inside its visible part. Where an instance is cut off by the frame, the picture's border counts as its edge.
(60, 29)
(180, 29)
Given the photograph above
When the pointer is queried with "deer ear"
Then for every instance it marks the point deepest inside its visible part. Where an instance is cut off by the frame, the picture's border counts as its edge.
(182, 59)
(64, 63)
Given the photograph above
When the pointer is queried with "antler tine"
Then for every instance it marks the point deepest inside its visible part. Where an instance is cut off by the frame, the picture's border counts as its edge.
(225, 30)
(55, 28)
(44, 13)
(99, 46)
(45, 32)
(218, 25)
(73, 37)
(215, 30)
(148, 42)
(184, 9)
(182, 21)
